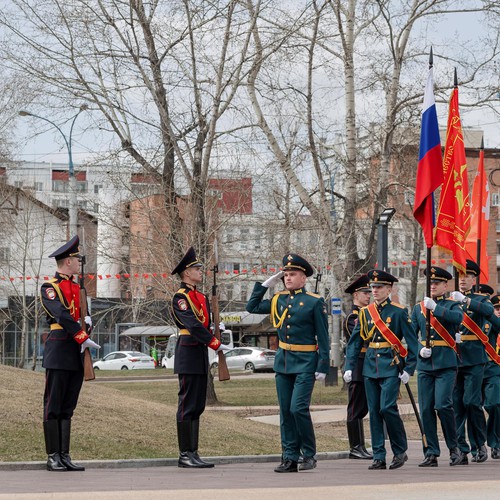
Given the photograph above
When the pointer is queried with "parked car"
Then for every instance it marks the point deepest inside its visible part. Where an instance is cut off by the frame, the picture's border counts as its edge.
(125, 360)
(249, 358)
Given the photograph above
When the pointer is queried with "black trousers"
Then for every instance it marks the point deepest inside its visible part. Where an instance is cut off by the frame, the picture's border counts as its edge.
(62, 388)
(357, 407)
(192, 397)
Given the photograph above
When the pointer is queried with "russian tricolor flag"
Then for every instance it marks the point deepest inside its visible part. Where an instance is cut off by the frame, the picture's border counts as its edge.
(430, 164)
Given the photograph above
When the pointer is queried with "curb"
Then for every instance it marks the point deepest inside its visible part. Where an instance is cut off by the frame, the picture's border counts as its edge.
(166, 462)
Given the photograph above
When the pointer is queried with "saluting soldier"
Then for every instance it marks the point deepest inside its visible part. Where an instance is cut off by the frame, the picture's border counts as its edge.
(383, 324)
(63, 355)
(300, 319)
(467, 397)
(437, 367)
(191, 312)
(357, 407)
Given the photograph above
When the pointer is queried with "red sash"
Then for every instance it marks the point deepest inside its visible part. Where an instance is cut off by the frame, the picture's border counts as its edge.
(440, 329)
(386, 332)
(471, 325)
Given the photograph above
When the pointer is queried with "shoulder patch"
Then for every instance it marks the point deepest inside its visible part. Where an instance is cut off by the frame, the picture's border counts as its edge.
(182, 304)
(50, 293)
(398, 305)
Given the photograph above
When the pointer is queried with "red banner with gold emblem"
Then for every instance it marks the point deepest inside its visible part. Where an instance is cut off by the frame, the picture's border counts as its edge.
(453, 218)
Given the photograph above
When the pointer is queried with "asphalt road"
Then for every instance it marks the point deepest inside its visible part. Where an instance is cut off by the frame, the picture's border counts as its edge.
(254, 478)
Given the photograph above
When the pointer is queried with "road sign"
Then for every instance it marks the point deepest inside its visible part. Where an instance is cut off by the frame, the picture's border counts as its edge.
(336, 305)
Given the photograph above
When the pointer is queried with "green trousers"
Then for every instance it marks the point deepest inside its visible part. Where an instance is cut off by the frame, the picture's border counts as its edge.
(382, 396)
(467, 402)
(435, 399)
(294, 397)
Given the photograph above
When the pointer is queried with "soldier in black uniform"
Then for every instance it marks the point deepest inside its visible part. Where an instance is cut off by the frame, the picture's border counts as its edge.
(63, 355)
(357, 407)
(191, 313)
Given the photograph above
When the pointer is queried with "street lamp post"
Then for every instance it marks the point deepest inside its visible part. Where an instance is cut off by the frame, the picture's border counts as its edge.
(382, 238)
(73, 202)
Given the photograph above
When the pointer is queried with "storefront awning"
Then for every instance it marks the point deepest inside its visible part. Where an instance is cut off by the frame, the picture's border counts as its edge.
(242, 318)
(149, 331)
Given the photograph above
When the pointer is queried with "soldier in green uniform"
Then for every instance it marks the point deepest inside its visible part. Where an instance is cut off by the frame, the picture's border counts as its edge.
(467, 396)
(491, 387)
(437, 367)
(491, 380)
(300, 319)
(383, 324)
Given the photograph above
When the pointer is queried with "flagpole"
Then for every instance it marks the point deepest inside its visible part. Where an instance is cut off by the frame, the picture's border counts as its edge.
(455, 85)
(480, 221)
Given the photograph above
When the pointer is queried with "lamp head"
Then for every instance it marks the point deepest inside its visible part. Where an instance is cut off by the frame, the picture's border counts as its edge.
(24, 113)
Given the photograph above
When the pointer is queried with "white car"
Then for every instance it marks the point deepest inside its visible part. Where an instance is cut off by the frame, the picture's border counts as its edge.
(125, 360)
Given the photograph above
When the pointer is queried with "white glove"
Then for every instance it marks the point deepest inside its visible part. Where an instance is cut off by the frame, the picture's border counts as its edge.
(429, 303)
(319, 376)
(347, 376)
(426, 352)
(88, 321)
(89, 343)
(222, 348)
(222, 326)
(273, 280)
(405, 377)
(457, 296)
(458, 338)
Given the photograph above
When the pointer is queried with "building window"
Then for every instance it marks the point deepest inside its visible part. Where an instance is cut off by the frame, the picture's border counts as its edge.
(4, 255)
(96, 207)
(82, 204)
(61, 203)
(97, 188)
(38, 186)
(18, 184)
(60, 186)
(495, 199)
(81, 187)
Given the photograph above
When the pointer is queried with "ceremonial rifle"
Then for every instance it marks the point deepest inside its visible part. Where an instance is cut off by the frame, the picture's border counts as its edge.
(397, 362)
(222, 366)
(88, 366)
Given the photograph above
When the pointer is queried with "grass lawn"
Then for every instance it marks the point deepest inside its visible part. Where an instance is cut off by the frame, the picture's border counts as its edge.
(137, 420)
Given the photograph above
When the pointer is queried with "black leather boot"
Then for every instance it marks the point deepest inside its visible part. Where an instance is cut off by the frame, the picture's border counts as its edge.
(195, 433)
(65, 436)
(356, 435)
(186, 458)
(51, 433)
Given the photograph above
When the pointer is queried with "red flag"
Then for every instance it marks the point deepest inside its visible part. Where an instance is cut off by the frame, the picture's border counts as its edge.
(480, 217)
(453, 218)
(430, 164)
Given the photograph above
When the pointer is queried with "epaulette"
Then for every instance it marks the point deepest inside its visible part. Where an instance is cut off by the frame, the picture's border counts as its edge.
(283, 292)
(181, 290)
(316, 295)
(52, 280)
(401, 306)
(355, 312)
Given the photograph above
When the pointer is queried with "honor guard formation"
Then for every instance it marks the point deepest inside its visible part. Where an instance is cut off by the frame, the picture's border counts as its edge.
(451, 340)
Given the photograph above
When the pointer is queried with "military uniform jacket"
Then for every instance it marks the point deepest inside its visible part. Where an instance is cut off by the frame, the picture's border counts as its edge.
(304, 322)
(449, 313)
(60, 299)
(480, 309)
(379, 362)
(492, 329)
(349, 324)
(191, 311)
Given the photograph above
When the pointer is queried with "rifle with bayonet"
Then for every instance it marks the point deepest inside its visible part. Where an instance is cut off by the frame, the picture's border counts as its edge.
(88, 366)
(222, 365)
